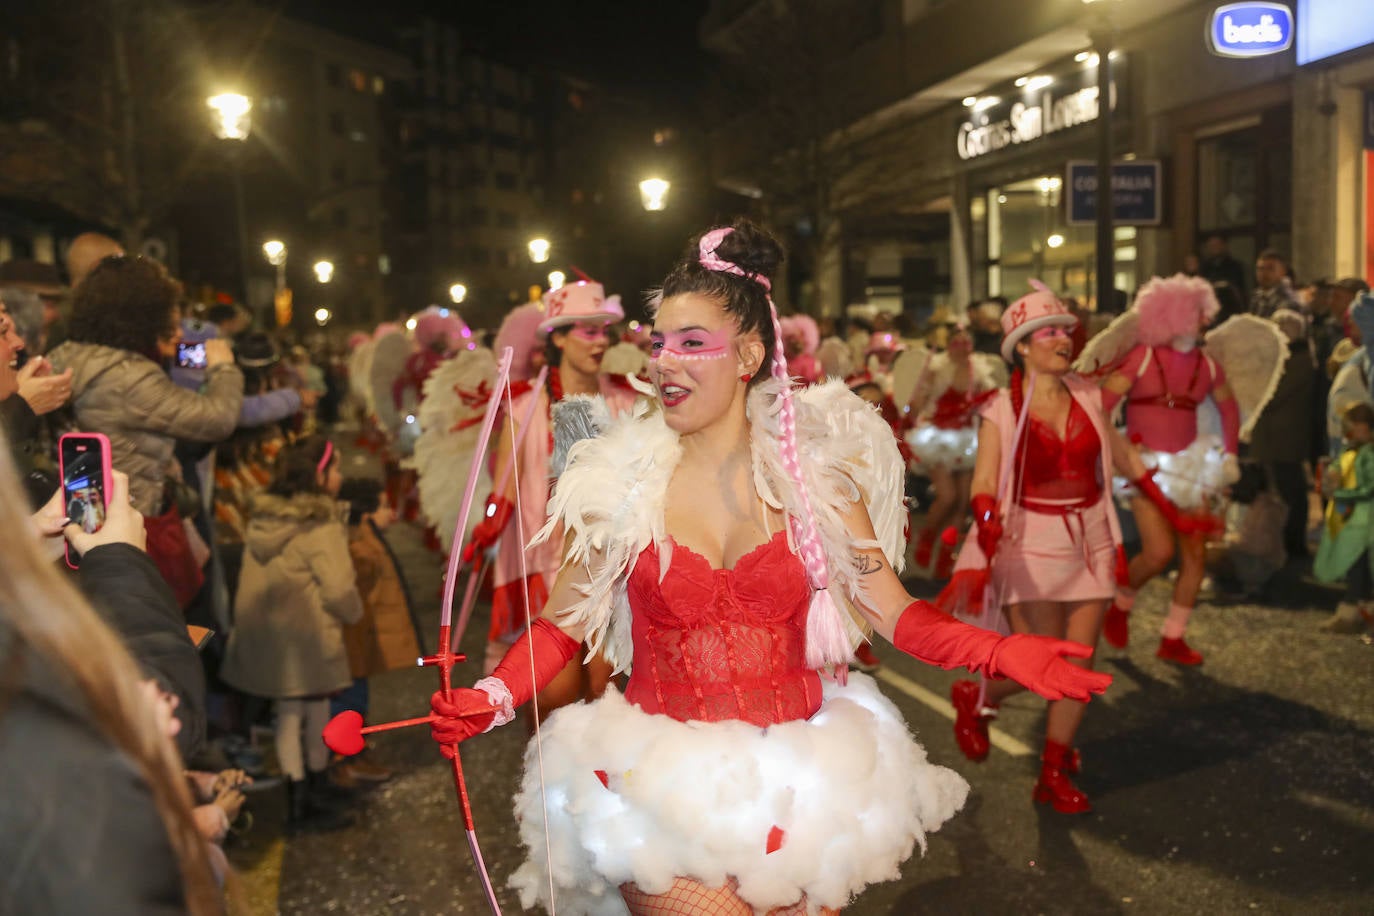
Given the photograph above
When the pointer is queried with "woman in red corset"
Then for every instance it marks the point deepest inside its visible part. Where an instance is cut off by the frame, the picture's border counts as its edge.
(733, 542)
(944, 440)
(1046, 553)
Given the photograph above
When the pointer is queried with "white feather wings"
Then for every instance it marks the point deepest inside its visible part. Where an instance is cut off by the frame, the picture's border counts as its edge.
(609, 501)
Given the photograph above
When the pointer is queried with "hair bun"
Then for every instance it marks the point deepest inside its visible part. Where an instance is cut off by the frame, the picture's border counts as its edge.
(752, 247)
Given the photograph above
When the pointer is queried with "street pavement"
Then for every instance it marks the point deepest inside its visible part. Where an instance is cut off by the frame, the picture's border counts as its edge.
(1243, 786)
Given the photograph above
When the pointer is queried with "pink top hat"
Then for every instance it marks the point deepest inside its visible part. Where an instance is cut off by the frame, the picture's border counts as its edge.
(1030, 313)
(584, 300)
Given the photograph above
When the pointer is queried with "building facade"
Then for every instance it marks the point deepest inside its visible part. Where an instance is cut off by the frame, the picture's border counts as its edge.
(980, 139)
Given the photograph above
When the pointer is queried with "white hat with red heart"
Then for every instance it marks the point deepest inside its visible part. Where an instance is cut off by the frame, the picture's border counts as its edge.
(584, 300)
(1030, 313)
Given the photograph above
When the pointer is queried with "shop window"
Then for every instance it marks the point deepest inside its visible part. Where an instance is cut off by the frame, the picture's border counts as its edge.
(1025, 237)
(1245, 185)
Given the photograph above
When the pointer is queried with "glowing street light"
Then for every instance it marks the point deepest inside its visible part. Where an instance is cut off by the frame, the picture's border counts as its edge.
(1055, 241)
(412, 324)
(233, 115)
(556, 279)
(324, 271)
(457, 292)
(275, 252)
(539, 250)
(653, 193)
(322, 316)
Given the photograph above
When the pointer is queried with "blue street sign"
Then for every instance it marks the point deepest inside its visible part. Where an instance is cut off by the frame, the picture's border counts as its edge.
(1137, 192)
(1250, 29)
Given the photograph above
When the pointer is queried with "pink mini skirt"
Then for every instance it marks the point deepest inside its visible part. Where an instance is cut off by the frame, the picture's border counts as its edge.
(1049, 556)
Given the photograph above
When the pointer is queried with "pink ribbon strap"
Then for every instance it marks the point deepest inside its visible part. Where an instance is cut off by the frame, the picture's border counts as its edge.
(706, 256)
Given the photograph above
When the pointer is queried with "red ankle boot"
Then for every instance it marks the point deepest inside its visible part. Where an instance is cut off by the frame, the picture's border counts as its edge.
(924, 544)
(1116, 627)
(944, 566)
(1178, 652)
(970, 721)
(1054, 785)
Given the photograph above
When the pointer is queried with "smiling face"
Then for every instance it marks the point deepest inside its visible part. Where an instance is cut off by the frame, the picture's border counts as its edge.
(697, 356)
(1047, 351)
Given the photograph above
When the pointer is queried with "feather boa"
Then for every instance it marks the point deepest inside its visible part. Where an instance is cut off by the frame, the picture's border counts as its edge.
(609, 500)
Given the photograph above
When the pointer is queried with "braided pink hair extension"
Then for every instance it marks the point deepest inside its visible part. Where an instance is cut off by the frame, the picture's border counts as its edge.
(827, 641)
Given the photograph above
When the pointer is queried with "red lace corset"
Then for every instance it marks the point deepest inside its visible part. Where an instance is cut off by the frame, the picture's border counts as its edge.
(718, 644)
(954, 409)
(1061, 470)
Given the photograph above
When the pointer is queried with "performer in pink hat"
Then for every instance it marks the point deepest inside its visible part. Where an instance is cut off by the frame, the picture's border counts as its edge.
(574, 327)
(801, 337)
(1044, 553)
(729, 548)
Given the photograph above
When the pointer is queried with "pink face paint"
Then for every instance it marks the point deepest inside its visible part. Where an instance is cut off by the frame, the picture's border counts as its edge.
(588, 330)
(1050, 333)
(693, 343)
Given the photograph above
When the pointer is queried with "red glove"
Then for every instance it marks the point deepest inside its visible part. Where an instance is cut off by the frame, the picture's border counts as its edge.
(989, 525)
(470, 711)
(1036, 662)
(497, 517)
(1177, 519)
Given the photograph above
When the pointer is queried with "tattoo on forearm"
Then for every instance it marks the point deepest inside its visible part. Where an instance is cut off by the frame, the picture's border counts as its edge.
(866, 564)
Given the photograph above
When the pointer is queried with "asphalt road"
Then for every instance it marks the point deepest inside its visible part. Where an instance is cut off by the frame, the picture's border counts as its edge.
(1242, 786)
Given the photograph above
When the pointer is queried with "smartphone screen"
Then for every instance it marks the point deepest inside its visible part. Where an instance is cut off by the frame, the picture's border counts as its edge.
(191, 355)
(83, 482)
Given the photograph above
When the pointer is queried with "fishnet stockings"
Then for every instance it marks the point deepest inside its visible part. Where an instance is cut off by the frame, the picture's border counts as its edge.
(689, 897)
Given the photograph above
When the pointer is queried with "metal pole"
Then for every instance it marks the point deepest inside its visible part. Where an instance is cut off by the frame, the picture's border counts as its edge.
(241, 219)
(1102, 37)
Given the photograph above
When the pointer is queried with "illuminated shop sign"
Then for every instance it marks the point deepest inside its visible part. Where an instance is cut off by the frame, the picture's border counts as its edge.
(1250, 29)
(1330, 27)
(1043, 108)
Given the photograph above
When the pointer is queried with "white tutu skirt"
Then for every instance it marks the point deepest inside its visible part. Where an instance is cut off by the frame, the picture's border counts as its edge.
(844, 797)
(1192, 479)
(954, 449)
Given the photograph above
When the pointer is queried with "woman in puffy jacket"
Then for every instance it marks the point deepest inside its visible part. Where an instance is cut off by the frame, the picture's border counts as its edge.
(124, 329)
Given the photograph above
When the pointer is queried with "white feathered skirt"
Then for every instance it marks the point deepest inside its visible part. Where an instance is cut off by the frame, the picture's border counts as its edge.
(842, 798)
(934, 446)
(1193, 479)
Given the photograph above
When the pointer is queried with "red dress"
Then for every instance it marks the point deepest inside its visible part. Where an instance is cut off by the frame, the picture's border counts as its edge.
(718, 644)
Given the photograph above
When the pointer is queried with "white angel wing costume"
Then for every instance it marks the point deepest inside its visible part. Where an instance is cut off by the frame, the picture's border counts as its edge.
(450, 422)
(610, 496)
(1252, 351)
(908, 369)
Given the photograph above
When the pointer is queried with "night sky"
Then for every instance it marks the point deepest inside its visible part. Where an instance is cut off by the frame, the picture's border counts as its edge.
(652, 45)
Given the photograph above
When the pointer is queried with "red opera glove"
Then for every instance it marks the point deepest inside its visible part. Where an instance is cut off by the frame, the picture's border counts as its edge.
(1036, 662)
(497, 517)
(493, 700)
(989, 525)
(1177, 519)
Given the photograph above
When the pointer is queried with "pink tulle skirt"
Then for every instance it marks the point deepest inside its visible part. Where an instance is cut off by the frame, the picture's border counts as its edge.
(1053, 557)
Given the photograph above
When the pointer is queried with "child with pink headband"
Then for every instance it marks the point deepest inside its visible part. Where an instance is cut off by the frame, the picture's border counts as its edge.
(729, 547)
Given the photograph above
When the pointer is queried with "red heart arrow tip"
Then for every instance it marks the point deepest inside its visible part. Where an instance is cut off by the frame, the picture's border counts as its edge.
(344, 733)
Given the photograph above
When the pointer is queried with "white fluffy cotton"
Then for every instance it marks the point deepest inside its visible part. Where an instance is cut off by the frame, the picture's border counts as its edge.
(852, 790)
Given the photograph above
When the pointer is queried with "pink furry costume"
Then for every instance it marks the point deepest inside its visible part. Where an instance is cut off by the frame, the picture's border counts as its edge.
(802, 337)
(1169, 379)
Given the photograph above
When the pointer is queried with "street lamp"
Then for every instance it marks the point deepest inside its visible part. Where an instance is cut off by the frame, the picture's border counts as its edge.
(457, 292)
(233, 115)
(322, 316)
(324, 271)
(556, 279)
(653, 193)
(233, 121)
(1103, 35)
(539, 250)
